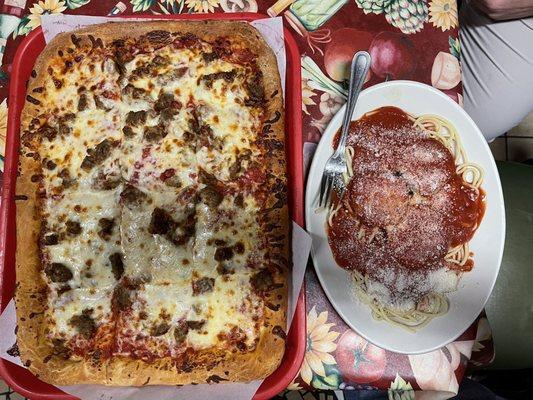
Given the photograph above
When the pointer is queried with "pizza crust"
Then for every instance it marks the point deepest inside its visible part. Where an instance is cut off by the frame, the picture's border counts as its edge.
(31, 287)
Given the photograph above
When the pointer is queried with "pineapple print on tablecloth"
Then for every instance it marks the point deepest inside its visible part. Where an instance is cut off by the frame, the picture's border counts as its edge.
(407, 15)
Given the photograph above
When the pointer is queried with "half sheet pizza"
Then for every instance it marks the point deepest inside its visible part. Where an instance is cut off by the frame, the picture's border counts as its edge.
(152, 234)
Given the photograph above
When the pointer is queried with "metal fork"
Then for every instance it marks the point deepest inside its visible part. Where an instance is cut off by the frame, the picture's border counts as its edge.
(335, 168)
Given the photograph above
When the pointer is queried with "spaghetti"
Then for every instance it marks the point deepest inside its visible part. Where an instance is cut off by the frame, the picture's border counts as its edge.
(395, 244)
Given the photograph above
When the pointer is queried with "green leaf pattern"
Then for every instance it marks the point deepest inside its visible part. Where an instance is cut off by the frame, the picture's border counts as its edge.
(73, 4)
(142, 5)
(400, 389)
(22, 29)
(170, 6)
(455, 47)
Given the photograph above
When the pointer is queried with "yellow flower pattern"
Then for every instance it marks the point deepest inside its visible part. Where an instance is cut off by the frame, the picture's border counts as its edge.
(44, 7)
(202, 6)
(307, 95)
(320, 343)
(443, 14)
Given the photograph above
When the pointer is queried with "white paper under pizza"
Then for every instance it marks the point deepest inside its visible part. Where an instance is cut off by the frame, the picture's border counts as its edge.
(272, 31)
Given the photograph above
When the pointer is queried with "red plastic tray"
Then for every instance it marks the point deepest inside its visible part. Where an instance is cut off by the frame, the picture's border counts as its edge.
(21, 379)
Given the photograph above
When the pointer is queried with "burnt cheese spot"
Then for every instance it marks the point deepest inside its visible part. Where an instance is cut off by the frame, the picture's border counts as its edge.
(106, 182)
(196, 325)
(167, 114)
(47, 131)
(223, 253)
(51, 165)
(75, 40)
(160, 223)
(134, 92)
(181, 231)
(141, 71)
(223, 269)
(66, 179)
(36, 178)
(278, 331)
(97, 155)
(117, 266)
(208, 57)
(59, 348)
(128, 132)
(165, 100)
(180, 332)
(154, 133)
(33, 100)
(173, 181)
(210, 196)
(122, 297)
(63, 289)
(73, 227)
(207, 178)
(256, 93)
(202, 285)
(239, 248)
(237, 167)
(105, 226)
(272, 306)
(239, 200)
(96, 42)
(262, 281)
(13, 351)
(160, 329)
(160, 60)
(159, 37)
(131, 196)
(228, 76)
(100, 103)
(136, 118)
(82, 102)
(51, 239)
(58, 273)
(215, 379)
(84, 323)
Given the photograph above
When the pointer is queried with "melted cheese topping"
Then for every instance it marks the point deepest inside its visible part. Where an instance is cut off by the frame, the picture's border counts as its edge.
(75, 302)
(86, 254)
(208, 128)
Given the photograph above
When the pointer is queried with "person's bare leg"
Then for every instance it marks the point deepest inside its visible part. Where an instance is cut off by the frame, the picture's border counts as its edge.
(497, 63)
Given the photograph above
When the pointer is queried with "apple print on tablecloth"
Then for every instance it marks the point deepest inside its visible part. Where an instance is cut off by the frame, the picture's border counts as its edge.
(393, 56)
(339, 52)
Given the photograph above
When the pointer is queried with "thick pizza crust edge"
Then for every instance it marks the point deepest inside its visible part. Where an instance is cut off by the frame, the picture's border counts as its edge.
(31, 288)
(122, 371)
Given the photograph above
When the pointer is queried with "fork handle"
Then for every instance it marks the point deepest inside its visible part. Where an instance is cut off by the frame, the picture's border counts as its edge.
(358, 70)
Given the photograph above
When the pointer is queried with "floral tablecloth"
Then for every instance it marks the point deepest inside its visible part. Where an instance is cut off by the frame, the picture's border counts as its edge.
(408, 39)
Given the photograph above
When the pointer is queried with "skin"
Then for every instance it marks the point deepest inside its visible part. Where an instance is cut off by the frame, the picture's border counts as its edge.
(501, 10)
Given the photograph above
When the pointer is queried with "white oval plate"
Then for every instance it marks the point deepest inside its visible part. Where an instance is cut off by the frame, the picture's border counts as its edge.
(487, 244)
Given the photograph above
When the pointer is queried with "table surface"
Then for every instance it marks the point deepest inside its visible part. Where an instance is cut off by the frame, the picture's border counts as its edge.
(328, 32)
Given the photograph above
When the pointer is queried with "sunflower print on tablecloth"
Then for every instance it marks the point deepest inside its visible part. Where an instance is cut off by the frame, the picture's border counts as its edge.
(443, 14)
(320, 343)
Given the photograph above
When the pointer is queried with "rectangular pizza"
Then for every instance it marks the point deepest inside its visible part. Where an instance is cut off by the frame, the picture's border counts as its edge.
(152, 222)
